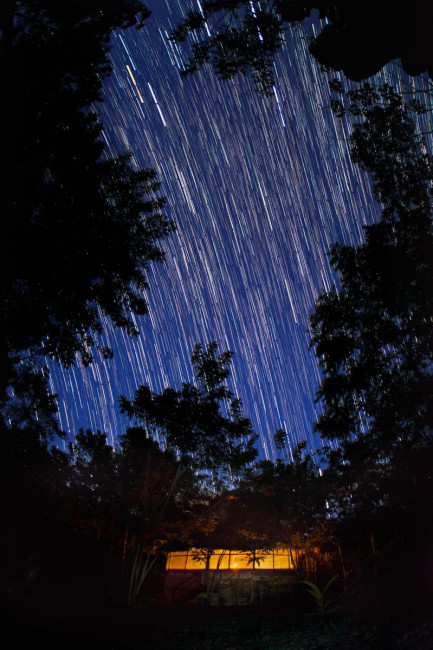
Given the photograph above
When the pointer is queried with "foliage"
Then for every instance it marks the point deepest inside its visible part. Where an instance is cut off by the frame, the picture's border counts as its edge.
(134, 497)
(275, 504)
(319, 595)
(81, 228)
(204, 436)
(294, 493)
(203, 423)
(93, 483)
(194, 436)
(372, 334)
(247, 39)
(28, 405)
(242, 36)
(132, 502)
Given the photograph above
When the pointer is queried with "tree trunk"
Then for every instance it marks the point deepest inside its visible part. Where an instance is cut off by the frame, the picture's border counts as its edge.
(340, 553)
(373, 550)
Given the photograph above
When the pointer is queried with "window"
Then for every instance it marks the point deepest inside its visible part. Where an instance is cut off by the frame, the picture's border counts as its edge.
(225, 559)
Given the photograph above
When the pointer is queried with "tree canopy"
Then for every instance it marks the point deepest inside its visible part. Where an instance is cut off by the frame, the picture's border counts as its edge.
(79, 228)
(358, 38)
(156, 482)
(372, 332)
(204, 423)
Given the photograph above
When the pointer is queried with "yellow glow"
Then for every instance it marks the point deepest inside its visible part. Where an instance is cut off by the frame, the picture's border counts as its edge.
(222, 559)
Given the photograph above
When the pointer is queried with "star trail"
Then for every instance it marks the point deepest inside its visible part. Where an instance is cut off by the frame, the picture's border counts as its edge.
(260, 188)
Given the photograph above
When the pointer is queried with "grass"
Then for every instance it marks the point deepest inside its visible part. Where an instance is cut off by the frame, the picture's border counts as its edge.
(251, 630)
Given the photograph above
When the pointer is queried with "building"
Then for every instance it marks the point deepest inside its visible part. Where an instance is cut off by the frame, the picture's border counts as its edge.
(230, 577)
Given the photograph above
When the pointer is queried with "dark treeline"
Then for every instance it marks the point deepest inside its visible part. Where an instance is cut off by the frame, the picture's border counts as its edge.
(112, 512)
(99, 520)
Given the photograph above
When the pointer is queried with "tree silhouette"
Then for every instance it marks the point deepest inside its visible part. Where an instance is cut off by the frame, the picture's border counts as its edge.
(207, 442)
(204, 423)
(242, 36)
(80, 228)
(373, 333)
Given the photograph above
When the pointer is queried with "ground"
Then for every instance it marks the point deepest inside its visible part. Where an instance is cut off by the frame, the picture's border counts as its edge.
(368, 615)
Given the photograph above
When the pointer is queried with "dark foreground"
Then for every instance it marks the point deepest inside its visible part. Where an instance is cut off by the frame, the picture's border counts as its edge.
(374, 617)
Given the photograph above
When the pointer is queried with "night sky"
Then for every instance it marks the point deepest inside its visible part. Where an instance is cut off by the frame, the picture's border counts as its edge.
(260, 188)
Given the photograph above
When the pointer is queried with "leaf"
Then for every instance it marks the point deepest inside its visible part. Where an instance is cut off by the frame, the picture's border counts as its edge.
(314, 589)
(329, 583)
